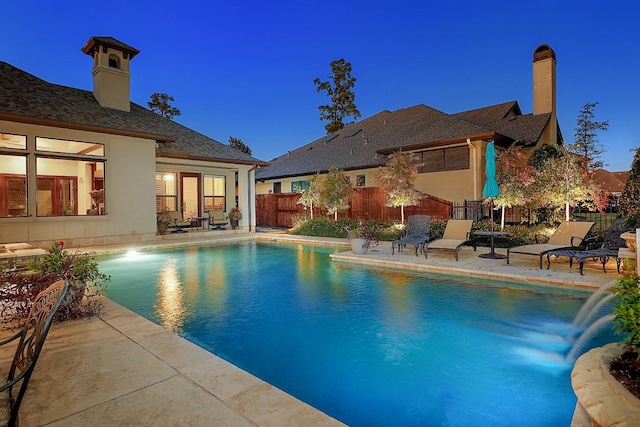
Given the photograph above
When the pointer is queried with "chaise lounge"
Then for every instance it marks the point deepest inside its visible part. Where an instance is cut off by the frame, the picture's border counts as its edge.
(416, 234)
(456, 234)
(610, 248)
(568, 235)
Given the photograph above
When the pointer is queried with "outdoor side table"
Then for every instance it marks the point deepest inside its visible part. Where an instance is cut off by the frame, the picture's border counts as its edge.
(492, 235)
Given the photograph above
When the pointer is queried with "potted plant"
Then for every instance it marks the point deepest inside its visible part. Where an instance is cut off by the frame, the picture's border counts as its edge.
(163, 220)
(361, 237)
(235, 215)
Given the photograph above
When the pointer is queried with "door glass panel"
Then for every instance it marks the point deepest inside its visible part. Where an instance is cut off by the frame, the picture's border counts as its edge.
(189, 197)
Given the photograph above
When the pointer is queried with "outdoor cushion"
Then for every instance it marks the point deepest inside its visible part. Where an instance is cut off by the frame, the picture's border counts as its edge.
(456, 234)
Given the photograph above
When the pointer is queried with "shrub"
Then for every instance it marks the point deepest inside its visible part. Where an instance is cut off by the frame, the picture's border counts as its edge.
(627, 311)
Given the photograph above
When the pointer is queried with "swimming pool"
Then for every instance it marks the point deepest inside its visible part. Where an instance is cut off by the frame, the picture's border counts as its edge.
(367, 346)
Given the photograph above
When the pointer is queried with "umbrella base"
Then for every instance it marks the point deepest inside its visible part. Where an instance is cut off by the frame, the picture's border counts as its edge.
(492, 255)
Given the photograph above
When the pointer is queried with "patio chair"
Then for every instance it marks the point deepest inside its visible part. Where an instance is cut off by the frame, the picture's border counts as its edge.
(177, 222)
(456, 234)
(568, 235)
(609, 248)
(416, 233)
(217, 219)
(32, 338)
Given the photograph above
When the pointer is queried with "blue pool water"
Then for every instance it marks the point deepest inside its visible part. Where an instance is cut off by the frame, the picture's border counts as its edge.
(368, 346)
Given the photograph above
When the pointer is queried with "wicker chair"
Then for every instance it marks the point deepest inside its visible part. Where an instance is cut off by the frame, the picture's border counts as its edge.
(32, 338)
(416, 233)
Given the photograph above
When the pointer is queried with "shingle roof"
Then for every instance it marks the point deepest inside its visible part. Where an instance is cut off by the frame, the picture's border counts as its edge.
(26, 98)
(507, 120)
(610, 182)
(415, 127)
(408, 127)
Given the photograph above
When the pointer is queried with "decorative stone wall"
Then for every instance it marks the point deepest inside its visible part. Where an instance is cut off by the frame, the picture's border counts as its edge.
(605, 400)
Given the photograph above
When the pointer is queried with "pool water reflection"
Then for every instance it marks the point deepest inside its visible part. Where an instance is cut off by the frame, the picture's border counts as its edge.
(367, 346)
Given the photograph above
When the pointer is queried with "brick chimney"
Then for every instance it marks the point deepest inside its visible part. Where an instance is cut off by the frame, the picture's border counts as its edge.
(111, 75)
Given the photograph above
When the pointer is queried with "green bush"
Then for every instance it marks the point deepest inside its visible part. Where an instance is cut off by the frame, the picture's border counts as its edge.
(323, 227)
(627, 312)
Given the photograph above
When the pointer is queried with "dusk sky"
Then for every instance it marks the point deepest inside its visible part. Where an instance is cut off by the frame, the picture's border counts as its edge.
(245, 68)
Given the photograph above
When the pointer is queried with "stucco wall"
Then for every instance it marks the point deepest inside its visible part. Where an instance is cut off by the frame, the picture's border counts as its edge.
(129, 194)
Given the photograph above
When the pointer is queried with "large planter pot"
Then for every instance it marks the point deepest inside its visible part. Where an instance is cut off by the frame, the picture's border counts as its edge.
(630, 239)
(234, 223)
(162, 227)
(359, 246)
(73, 298)
(602, 397)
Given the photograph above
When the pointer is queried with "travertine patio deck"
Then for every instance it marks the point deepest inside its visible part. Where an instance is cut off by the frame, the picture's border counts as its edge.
(120, 369)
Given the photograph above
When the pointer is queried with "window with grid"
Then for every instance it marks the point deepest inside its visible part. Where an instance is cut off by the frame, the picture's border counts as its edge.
(215, 193)
(166, 192)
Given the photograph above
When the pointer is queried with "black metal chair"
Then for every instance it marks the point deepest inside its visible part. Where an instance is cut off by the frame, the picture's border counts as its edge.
(609, 249)
(416, 234)
(32, 338)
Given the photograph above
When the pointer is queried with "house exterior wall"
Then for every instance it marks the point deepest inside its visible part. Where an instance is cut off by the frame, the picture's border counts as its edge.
(456, 185)
(228, 170)
(129, 194)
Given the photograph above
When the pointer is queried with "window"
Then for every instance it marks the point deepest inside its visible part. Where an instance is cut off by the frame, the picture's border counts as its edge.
(114, 61)
(166, 193)
(13, 175)
(70, 178)
(277, 187)
(215, 193)
(444, 159)
(298, 186)
(360, 181)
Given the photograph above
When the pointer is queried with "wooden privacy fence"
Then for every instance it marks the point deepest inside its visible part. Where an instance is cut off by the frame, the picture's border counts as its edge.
(277, 210)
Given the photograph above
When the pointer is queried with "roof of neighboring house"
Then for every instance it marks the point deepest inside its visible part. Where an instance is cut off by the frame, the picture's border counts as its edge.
(410, 128)
(610, 182)
(27, 99)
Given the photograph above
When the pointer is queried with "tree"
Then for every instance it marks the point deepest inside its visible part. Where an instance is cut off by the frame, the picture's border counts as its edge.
(630, 199)
(239, 145)
(313, 194)
(397, 177)
(515, 178)
(561, 182)
(336, 192)
(160, 104)
(586, 138)
(342, 98)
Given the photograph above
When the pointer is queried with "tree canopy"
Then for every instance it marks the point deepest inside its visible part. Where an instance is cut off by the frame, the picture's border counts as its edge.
(342, 97)
(160, 104)
(586, 138)
(239, 145)
(630, 199)
(397, 177)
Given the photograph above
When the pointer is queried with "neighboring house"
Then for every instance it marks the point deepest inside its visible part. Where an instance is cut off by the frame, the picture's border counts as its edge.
(451, 146)
(95, 168)
(612, 183)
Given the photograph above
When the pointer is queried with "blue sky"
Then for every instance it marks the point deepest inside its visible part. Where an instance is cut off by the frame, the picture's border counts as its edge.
(245, 68)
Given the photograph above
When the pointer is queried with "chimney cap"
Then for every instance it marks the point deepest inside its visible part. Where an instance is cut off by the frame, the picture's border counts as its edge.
(106, 42)
(543, 51)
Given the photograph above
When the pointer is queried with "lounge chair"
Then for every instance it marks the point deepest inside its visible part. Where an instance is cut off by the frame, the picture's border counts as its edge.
(609, 249)
(456, 234)
(416, 233)
(217, 219)
(30, 341)
(568, 235)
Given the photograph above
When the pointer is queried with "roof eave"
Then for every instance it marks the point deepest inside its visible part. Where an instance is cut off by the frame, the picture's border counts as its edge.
(210, 159)
(85, 127)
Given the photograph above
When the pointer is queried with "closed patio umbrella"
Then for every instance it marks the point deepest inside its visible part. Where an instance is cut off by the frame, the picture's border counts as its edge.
(491, 189)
